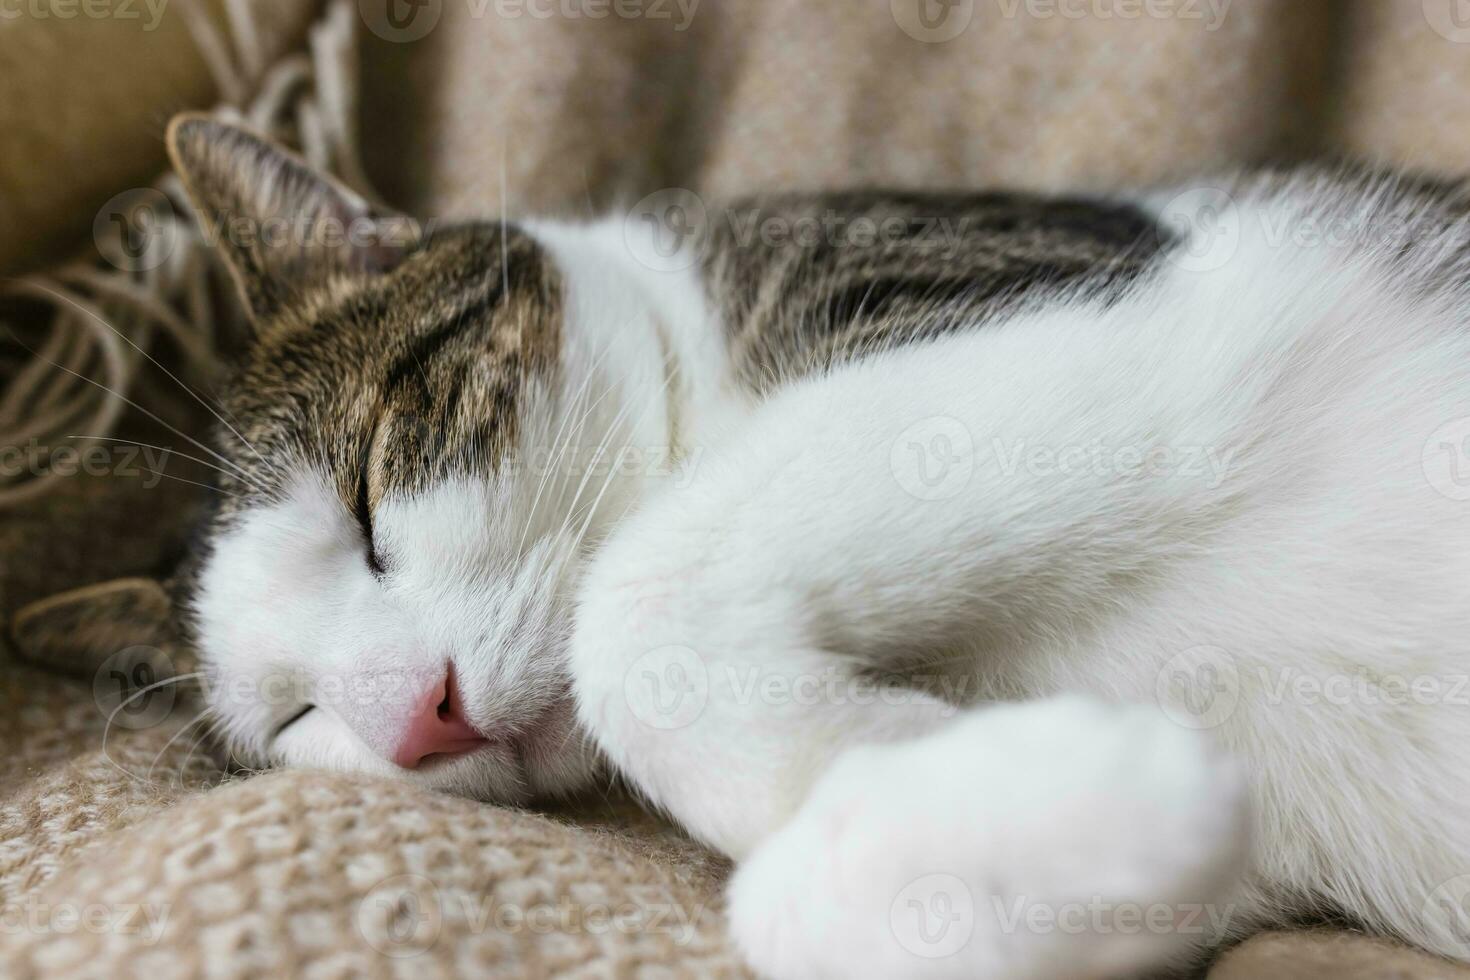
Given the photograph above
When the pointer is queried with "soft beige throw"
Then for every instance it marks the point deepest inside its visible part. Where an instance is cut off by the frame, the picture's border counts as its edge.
(124, 851)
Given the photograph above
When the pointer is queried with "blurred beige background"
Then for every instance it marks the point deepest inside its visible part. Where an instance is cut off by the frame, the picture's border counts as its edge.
(586, 107)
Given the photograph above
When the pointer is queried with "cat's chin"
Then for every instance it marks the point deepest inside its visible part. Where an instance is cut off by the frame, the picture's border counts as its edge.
(506, 773)
(557, 759)
(495, 773)
(550, 760)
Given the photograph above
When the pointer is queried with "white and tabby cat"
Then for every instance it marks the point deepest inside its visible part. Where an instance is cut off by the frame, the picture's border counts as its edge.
(1051, 561)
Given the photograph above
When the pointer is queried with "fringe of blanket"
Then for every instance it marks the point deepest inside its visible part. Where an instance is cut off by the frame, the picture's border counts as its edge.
(108, 311)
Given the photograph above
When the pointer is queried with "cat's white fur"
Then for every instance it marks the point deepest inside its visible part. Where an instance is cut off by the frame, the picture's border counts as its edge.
(1200, 619)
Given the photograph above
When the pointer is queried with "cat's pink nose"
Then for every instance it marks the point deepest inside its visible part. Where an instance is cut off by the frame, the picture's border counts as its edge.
(436, 726)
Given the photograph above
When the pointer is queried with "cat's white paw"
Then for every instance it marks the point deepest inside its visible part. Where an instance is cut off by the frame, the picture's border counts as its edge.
(1057, 840)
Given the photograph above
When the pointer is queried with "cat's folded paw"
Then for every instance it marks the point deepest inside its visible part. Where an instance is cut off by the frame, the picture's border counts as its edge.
(1057, 840)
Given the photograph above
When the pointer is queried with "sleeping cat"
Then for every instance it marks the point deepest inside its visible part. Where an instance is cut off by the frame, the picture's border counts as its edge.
(1015, 587)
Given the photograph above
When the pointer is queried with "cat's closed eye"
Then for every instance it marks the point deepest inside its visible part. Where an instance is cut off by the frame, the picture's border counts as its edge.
(308, 709)
(363, 513)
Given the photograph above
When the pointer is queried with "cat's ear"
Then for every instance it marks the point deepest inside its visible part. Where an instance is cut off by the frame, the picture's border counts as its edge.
(281, 226)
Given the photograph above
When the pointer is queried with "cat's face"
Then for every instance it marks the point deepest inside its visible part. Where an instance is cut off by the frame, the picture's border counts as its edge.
(387, 584)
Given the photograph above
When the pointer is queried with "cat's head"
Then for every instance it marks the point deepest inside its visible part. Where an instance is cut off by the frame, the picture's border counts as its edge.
(387, 583)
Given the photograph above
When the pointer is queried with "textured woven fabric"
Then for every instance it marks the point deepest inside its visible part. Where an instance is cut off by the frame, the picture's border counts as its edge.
(297, 874)
(114, 813)
(125, 851)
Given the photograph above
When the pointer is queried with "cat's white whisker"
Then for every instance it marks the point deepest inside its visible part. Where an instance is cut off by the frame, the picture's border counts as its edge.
(158, 756)
(172, 452)
(132, 404)
(125, 702)
(612, 475)
(571, 430)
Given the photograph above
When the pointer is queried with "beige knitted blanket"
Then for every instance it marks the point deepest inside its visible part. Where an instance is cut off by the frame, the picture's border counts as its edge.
(124, 850)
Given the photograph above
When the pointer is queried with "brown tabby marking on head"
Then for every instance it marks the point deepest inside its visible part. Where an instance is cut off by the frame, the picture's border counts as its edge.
(383, 366)
(417, 375)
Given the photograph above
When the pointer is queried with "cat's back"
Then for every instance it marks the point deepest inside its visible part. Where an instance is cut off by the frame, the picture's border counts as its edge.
(804, 282)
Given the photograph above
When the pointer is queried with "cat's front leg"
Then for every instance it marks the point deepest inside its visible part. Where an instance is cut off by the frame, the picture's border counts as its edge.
(711, 695)
(726, 633)
(1064, 839)
(1055, 840)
